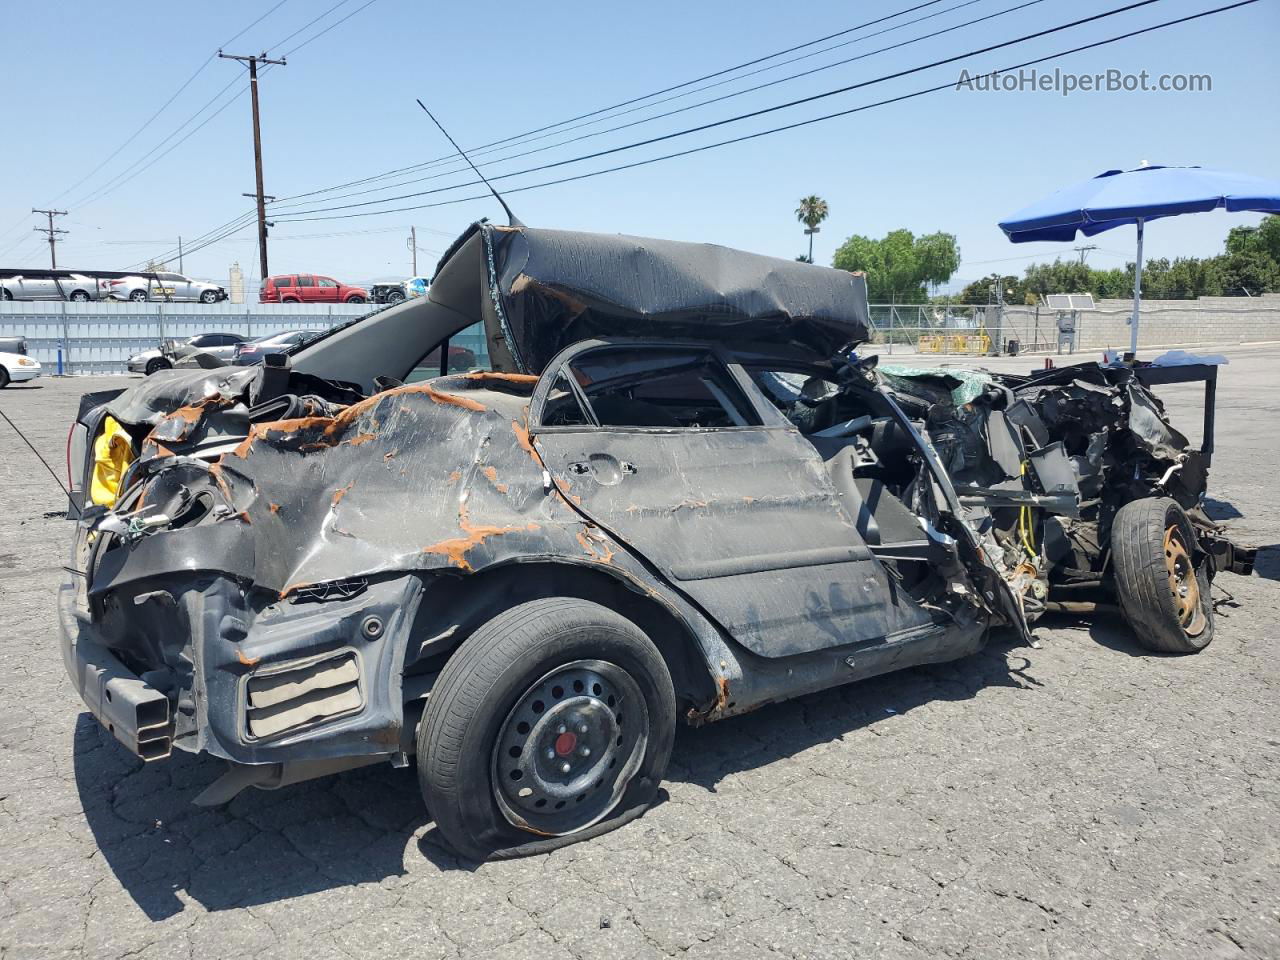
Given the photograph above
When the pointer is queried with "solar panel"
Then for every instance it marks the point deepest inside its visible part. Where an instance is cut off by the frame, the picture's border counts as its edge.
(1069, 301)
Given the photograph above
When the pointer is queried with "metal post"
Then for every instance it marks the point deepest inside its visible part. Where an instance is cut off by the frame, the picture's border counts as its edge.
(1137, 295)
(180, 270)
(413, 245)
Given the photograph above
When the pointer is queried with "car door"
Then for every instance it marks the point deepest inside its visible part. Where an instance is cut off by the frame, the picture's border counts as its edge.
(179, 286)
(306, 288)
(326, 290)
(673, 451)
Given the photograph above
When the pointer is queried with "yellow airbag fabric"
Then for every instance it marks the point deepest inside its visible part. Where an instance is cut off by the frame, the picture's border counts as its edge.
(112, 454)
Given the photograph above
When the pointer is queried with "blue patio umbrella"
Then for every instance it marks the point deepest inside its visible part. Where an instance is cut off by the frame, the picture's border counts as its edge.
(1121, 197)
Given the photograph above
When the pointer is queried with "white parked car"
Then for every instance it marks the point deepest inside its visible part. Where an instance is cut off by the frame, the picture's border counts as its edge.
(52, 285)
(166, 286)
(170, 353)
(16, 367)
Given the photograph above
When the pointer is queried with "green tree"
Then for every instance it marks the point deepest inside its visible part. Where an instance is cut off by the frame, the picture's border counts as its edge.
(811, 212)
(900, 265)
(1263, 239)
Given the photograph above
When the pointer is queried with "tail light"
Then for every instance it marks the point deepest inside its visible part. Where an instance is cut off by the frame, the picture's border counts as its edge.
(115, 283)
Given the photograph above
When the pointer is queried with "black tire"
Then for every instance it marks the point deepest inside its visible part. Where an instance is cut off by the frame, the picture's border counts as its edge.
(395, 296)
(1162, 595)
(4, 378)
(355, 299)
(290, 300)
(156, 364)
(6, 294)
(138, 296)
(209, 296)
(79, 296)
(480, 701)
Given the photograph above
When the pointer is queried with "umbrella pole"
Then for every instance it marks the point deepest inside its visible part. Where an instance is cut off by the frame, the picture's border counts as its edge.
(1137, 295)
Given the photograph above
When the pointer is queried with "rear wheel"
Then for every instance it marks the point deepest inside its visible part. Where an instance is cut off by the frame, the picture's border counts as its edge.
(1163, 595)
(551, 724)
(6, 294)
(79, 296)
(290, 300)
(138, 296)
(4, 378)
(156, 364)
(395, 296)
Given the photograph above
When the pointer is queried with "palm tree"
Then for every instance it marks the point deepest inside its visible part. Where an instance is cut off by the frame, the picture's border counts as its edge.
(811, 212)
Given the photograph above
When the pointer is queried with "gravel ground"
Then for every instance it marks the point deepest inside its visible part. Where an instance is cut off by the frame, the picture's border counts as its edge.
(1085, 799)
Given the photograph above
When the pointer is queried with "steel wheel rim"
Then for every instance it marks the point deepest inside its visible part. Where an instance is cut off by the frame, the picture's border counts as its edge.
(1183, 583)
(589, 715)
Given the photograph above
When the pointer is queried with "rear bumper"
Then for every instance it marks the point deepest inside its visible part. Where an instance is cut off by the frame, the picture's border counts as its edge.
(137, 715)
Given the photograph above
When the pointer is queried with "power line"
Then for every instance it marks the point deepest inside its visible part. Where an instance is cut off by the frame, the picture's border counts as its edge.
(751, 114)
(703, 103)
(648, 96)
(133, 136)
(336, 23)
(792, 126)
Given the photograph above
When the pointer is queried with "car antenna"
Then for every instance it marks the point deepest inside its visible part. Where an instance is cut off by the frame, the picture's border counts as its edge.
(56, 478)
(511, 217)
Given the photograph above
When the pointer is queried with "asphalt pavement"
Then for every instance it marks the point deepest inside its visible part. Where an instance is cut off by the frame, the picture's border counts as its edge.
(1085, 799)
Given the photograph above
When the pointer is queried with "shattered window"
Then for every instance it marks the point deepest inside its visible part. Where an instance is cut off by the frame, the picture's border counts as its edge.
(660, 387)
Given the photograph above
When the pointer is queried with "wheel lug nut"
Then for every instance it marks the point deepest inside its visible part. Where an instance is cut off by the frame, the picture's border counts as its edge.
(583, 728)
(551, 754)
(560, 729)
(565, 768)
(585, 751)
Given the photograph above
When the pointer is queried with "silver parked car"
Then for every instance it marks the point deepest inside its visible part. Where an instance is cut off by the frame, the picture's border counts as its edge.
(166, 286)
(52, 285)
(172, 353)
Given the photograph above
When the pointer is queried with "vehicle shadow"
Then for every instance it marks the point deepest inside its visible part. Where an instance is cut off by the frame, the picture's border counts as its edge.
(1267, 563)
(29, 385)
(1220, 510)
(359, 827)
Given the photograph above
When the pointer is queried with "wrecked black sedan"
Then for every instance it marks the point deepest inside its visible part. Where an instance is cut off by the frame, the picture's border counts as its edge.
(665, 488)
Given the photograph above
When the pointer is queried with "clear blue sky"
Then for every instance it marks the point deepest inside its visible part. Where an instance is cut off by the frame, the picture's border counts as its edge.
(82, 76)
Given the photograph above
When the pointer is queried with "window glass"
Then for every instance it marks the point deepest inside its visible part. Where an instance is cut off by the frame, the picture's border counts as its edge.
(562, 408)
(306, 280)
(809, 401)
(173, 277)
(660, 387)
(325, 282)
(467, 351)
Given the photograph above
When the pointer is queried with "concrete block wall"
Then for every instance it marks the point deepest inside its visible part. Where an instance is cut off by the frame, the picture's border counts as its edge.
(1164, 323)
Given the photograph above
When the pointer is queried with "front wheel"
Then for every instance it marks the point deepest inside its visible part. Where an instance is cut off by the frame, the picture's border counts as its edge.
(1163, 594)
(395, 296)
(355, 299)
(156, 364)
(209, 296)
(4, 378)
(551, 724)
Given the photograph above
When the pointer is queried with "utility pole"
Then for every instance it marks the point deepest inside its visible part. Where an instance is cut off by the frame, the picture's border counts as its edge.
(257, 148)
(413, 245)
(52, 232)
(180, 270)
(1084, 250)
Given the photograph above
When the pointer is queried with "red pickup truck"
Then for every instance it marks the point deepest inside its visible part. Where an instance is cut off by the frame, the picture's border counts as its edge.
(309, 288)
